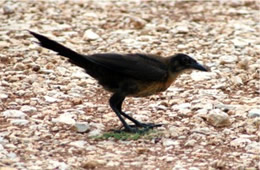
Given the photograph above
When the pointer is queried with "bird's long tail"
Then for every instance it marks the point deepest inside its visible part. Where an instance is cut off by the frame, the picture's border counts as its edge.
(75, 58)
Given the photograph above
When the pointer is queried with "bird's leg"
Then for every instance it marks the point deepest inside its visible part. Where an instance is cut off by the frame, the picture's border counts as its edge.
(115, 101)
(136, 122)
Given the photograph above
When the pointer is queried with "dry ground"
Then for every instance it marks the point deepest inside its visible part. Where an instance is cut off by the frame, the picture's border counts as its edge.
(42, 95)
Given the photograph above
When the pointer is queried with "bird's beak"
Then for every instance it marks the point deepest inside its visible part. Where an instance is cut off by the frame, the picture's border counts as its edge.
(198, 66)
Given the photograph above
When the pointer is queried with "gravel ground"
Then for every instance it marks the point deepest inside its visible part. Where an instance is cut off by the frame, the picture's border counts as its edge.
(212, 119)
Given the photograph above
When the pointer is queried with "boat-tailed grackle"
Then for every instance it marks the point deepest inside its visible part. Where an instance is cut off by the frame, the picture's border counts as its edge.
(136, 75)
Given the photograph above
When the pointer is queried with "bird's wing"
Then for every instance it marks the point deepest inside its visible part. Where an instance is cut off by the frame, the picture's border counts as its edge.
(139, 66)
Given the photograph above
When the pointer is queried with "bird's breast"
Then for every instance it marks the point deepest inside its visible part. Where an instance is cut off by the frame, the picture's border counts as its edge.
(150, 88)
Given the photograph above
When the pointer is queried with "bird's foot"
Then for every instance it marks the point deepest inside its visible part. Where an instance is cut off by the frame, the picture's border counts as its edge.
(138, 128)
(146, 125)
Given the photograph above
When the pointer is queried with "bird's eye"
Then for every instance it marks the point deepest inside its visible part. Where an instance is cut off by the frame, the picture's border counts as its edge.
(186, 60)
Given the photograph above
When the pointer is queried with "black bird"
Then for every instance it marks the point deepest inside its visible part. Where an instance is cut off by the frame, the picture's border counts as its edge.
(136, 75)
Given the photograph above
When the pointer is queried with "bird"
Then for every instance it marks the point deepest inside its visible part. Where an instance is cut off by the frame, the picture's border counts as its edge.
(127, 75)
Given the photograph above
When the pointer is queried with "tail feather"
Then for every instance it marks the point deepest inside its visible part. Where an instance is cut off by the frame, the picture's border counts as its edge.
(74, 57)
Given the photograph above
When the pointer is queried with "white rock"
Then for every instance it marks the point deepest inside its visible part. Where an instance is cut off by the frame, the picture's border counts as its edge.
(170, 142)
(3, 96)
(239, 42)
(194, 168)
(66, 118)
(82, 127)
(254, 113)
(181, 29)
(253, 147)
(90, 35)
(79, 143)
(50, 99)
(14, 113)
(190, 143)
(20, 122)
(200, 76)
(182, 106)
(182, 46)
(218, 118)
(79, 74)
(230, 59)
(28, 109)
(169, 159)
(96, 132)
(113, 163)
(8, 10)
(53, 164)
(19, 67)
(240, 142)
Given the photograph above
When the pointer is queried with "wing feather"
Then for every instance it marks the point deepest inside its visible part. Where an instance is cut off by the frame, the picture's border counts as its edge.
(139, 66)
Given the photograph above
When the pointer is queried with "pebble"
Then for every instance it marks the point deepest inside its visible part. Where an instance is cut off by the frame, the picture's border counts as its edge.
(181, 29)
(20, 122)
(96, 132)
(28, 109)
(170, 142)
(4, 44)
(82, 127)
(254, 113)
(3, 96)
(228, 59)
(218, 118)
(240, 142)
(19, 67)
(90, 35)
(50, 99)
(8, 10)
(200, 76)
(14, 114)
(79, 143)
(66, 118)
(239, 42)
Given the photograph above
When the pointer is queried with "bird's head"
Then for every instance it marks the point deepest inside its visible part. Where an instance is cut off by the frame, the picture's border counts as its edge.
(182, 62)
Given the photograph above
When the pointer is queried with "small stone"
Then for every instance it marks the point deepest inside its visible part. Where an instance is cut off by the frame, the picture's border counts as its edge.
(96, 132)
(79, 143)
(58, 165)
(36, 68)
(194, 168)
(200, 76)
(182, 47)
(19, 67)
(82, 127)
(7, 168)
(181, 29)
(90, 35)
(14, 114)
(113, 163)
(79, 75)
(170, 142)
(254, 113)
(8, 10)
(240, 142)
(239, 42)
(66, 118)
(169, 159)
(4, 44)
(190, 143)
(50, 99)
(3, 96)
(4, 59)
(230, 59)
(20, 122)
(92, 164)
(253, 147)
(218, 118)
(28, 109)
